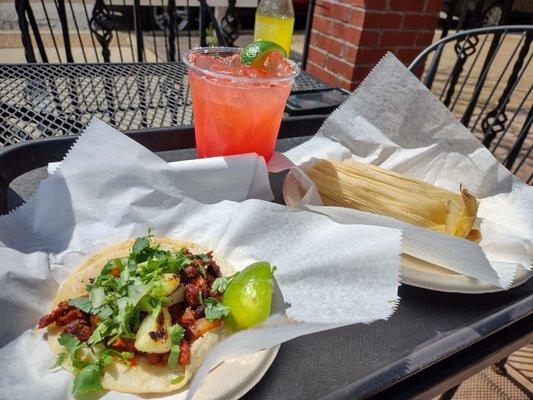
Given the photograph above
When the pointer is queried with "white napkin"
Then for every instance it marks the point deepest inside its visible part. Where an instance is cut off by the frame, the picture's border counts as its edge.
(110, 188)
(394, 121)
(234, 178)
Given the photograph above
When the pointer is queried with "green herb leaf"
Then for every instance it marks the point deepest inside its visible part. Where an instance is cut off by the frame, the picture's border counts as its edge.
(140, 244)
(59, 360)
(88, 379)
(124, 278)
(72, 344)
(205, 258)
(126, 355)
(83, 303)
(132, 265)
(69, 342)
(177, 379)
(173, 357)
(201, 269)
(127, 318)
(108, 267)
(102, 331)
(176, 333)
(214, 309)
(105, 312)
(97, 296)
(136, 290)
(220, 284)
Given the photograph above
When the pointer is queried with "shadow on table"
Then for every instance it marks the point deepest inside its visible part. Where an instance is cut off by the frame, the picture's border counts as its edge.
(44, 223)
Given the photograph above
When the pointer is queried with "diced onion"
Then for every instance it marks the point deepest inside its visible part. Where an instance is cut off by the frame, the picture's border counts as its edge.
(97, 297)
(177, 296)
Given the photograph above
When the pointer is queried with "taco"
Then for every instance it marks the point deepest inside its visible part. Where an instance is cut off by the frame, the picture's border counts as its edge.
(139, 316)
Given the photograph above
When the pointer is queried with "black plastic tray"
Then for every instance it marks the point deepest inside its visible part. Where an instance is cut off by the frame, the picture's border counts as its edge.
(431, 343)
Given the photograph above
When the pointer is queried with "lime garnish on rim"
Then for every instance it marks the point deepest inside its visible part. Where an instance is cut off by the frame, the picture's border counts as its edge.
(249, 297)
(257, 52)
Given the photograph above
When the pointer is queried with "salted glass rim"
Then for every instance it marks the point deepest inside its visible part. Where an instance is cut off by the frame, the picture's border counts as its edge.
(207, 50)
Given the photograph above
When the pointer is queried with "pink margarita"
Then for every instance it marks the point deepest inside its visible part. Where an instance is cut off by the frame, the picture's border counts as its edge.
(237, 108)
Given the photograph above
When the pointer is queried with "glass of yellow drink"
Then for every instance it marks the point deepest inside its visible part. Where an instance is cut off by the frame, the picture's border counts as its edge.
(275, 28)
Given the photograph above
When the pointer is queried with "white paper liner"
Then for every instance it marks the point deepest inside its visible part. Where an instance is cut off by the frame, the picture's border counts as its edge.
(110, 188)
(392, 120)
(234, 178)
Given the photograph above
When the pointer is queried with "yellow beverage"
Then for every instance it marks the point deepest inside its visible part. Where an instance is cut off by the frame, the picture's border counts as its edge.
(277, 29)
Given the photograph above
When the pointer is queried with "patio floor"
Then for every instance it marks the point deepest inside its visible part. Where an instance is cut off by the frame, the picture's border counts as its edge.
(488, 385)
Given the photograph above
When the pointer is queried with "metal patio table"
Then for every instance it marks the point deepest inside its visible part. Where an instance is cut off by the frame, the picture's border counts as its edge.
(42, 100)
(432, 342)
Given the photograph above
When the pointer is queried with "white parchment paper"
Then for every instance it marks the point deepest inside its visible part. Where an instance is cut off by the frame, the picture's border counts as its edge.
(110, 188)
(235, 178)
(394, 121)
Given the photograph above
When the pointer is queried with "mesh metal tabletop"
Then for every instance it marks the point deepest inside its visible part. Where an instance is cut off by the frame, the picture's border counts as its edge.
(42, 100)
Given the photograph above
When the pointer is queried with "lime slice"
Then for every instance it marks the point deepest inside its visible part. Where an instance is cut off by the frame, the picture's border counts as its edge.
(256, 53)
(249, 296)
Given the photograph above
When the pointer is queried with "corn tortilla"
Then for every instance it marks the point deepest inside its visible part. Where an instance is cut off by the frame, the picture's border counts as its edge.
(144, 377)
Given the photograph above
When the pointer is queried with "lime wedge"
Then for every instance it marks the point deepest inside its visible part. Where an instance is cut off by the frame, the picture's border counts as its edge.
(256, 53)
(249, 297)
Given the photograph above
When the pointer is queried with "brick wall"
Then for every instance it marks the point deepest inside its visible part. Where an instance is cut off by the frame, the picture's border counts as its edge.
(350, 36)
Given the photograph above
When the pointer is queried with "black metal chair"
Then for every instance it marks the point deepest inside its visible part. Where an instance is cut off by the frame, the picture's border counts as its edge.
(83, 30)
(484, 77)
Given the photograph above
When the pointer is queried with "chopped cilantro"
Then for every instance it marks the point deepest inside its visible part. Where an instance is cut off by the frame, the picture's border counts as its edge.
(177, 379)
(103, 330)
(126, 355)
(59, 360)
(83, 303)
(201, 269)
(124, 278)
(69, 342)
(109, 354)
(214, 309)
(72, 344)
(140, 245)
(97, 296)
(220, 284)
(88, 379)
(108, 267)
(176, 333)
(205, 258)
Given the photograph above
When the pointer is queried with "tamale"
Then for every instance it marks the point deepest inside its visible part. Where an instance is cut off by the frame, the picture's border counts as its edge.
(373, 189)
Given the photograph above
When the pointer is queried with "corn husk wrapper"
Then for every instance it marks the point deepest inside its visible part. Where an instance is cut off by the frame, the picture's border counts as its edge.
(369, 188)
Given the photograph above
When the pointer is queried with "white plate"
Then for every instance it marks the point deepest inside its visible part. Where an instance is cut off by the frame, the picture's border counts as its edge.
(416, 272)
(419, 273)
(233, 378)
